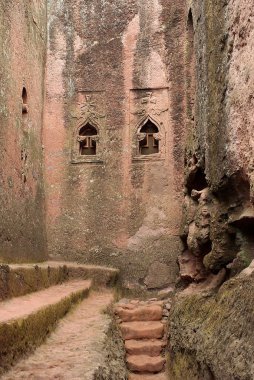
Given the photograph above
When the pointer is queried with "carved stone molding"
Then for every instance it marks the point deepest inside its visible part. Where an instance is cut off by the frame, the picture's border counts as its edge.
(89, 111)
(148, 105)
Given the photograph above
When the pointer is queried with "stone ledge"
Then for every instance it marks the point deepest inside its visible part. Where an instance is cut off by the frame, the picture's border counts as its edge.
(26, 321)
(20, 279)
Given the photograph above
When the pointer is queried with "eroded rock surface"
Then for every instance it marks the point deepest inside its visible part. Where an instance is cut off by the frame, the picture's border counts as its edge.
(211, 336)
(211, 321)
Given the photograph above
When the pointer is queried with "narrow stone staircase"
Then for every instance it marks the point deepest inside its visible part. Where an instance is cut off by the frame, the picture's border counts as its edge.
(34, 298)
(143, 327)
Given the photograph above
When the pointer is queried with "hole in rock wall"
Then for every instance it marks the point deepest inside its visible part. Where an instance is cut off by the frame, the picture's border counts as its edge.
(24, 101)
(87, 140)
(195, 174)
(196, 180)
(199, 180)
(206, 247)
(149, 144)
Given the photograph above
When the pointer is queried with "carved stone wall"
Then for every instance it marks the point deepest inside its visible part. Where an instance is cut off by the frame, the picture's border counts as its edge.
(153, 105)
(23, 29)
(89, 108)
(116, 65)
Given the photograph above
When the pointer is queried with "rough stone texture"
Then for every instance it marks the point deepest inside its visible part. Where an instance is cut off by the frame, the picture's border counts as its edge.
(140, 313)
(217, 212)
(145, 341)
(22, 64)
(115, 63)
(144, 363)
(144, 347)
(75, 349)
(142, 330)
(240, 80)
(20, 279)
(158, 276)
(114, 364)
(26, 321)
(211, 336)
(160, 376)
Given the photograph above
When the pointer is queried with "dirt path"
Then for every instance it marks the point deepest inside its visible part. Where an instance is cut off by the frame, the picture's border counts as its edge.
(73, 351)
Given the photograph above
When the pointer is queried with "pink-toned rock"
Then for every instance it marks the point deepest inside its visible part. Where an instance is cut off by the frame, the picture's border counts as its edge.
(152, 347)
(141, 313)
(144, 363)
(192, 267)
(128, 306)
(145, 376)
(160, 303)
(142, 330)
(158, 275)
(213, 281)
(247, 271)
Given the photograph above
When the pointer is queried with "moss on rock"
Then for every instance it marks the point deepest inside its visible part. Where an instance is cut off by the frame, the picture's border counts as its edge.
(19, 337)
(215, 332)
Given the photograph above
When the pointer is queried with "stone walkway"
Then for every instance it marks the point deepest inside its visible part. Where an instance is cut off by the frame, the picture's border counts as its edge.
(74, 350)
(20, 307)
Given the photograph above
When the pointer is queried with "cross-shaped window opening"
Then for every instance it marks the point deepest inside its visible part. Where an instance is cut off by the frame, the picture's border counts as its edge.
(87, 140)
(149, 145)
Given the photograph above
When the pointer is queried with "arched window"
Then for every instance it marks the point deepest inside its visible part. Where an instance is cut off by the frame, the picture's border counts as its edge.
(148, 139)
(24, 101)
(87, 140)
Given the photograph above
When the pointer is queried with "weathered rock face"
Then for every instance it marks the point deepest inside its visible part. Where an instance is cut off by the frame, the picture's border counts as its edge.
(218, 208)
(211, 332)
(115, 69)
(211, 335)
(22, 55)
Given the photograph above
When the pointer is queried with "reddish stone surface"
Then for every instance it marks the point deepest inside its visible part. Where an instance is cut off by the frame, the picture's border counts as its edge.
(239, 99)
(144, 363)
(22, 64)
(115, 64)
(191, 267)
(20, 307)
(142, 330)
(212, 282)
(144, 347)
(144, 341)
(140, 313)
(73, 351)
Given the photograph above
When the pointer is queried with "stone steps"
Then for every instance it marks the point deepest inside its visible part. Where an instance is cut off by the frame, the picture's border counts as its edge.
(142, 313)
(142, 330)
(151, 347)
(26, 321)
(145, 363)
(19, 279)
(142, 324)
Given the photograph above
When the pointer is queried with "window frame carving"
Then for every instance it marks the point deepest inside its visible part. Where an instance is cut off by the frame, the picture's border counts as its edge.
(160, 136)
(77, 138)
